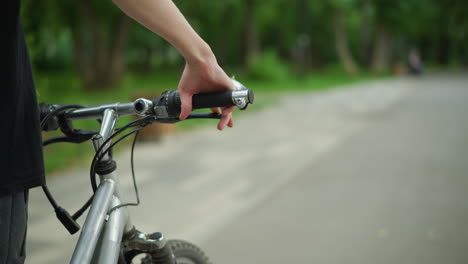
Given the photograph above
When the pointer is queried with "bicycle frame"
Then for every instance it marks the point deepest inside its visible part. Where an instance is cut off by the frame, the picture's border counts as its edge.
(107, 227)
(102, 233)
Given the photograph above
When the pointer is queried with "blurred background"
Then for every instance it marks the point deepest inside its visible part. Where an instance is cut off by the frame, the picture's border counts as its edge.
(89, 50)
(291, 53)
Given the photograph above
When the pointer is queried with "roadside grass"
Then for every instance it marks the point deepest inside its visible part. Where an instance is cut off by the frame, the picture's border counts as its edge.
(65, 88)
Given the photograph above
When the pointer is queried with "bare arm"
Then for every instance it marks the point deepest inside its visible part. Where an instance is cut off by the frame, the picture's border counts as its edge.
(202, 72)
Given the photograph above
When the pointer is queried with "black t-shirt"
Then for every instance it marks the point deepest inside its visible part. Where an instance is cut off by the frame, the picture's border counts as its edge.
(21, 162)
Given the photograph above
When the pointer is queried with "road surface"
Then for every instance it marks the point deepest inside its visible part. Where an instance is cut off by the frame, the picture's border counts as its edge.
(373, 173)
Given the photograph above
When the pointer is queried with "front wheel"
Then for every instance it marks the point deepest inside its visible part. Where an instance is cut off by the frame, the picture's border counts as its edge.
(188, 253)
(185, 253)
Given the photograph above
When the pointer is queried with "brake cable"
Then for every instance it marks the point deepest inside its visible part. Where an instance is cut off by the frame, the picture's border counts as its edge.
(70, 221)
(70, 224)
(137, 122)
(135, 186)
(99, 152)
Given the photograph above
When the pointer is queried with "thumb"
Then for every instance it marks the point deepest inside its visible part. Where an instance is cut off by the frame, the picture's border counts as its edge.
(186, 107)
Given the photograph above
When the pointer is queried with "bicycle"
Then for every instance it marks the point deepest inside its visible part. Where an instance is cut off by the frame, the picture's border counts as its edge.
(108, 235)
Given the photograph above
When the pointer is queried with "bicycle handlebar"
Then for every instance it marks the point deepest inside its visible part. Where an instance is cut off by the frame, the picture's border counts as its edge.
(239, 98)
(167, 107)
(164, 109)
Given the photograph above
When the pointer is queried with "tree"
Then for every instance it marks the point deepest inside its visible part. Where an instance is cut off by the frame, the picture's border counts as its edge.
(252, 42)
(100, 33)
(341, 43)
(385, 15)
(337, 10)
(398, 19)
(453, 31)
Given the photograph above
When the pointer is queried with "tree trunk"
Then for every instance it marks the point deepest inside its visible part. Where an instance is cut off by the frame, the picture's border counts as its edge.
(252, 43)
(81, 58)
(222, 49)
(341, 44)
(365, 40)
(381, 52)
(443, 50)
(301, 52)
(100, 64)
(98, 53)
(116, 63)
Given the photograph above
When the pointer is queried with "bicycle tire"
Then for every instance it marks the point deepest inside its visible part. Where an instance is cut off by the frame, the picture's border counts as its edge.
(185, 253)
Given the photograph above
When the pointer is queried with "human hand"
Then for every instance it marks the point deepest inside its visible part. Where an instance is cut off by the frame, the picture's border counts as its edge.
(202, 73)
(204, 77)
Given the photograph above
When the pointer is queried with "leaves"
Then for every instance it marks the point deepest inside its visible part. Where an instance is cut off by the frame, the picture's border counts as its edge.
(279, 24)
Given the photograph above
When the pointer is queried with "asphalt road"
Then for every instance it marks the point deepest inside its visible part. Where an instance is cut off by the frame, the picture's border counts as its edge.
(375, 173)
(394, 193)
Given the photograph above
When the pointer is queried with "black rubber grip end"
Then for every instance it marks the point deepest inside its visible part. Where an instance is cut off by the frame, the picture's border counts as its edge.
(67, 220)
(250, 96)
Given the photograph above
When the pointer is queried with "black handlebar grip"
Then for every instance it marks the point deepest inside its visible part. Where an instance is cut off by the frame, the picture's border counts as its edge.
(210, 100)
(168, 106)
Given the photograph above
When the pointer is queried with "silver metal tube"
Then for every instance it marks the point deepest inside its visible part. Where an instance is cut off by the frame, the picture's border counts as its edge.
(114, 177)
(142, 106)
(96, 112)
(94, 222)
(112, 235)
(109, 120)
(97, 142)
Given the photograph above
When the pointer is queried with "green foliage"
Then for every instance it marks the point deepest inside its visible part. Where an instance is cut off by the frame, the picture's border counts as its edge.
(52, 26)
(268, 67)
(48, 39)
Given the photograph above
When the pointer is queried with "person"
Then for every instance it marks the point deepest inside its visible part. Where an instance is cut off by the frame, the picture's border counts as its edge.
(415, 64)
(20, 138)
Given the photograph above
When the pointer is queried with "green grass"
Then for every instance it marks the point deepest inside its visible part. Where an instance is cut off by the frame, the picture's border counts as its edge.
(65, 88)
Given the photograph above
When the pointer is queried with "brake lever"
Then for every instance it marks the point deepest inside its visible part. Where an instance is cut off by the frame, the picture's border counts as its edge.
(191, 116)
(74, 135)
(204, 115)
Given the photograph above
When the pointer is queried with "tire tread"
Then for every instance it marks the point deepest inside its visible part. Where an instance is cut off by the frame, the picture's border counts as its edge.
(178, 245)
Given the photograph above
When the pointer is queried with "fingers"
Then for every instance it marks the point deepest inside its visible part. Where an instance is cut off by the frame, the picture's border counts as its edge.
(221, 125)
(224, 121)
(226, 112)
(229, 109)
(216, 110)
(186, 108)
(228, 82)
(226, 118)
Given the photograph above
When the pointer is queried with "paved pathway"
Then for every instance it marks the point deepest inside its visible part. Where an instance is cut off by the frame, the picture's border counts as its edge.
(367, 174)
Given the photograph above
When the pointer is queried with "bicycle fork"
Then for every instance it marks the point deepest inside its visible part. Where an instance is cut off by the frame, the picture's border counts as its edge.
(136, 242)
(108, 236)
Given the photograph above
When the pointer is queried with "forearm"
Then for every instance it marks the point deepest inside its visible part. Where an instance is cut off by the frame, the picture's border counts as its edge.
(202, 74)
(164, 18)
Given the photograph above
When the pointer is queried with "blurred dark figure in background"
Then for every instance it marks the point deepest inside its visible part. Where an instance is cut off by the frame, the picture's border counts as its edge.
(414, 63)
